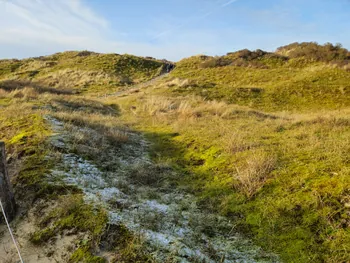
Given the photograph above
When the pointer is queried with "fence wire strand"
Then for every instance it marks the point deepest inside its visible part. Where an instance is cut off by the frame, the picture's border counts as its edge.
(9, 228)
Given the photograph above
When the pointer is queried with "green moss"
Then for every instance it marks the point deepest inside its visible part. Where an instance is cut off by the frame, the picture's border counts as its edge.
(42, 236)
(127, 247)
(72, 213)
(83, 254)
(25, 137)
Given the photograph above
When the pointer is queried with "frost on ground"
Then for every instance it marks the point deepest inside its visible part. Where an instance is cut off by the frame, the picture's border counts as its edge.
(170, 222)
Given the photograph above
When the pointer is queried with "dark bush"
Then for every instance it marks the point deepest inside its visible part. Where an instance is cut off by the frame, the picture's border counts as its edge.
(313, 51)
(216, 62)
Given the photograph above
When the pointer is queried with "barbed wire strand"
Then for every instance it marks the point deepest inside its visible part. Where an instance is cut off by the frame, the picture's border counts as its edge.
(9, 228)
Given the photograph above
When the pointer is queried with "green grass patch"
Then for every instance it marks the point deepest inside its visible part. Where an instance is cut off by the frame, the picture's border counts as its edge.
(296, 84)
(284, 179)
(72, 213)
(86, 72)
(83, 254)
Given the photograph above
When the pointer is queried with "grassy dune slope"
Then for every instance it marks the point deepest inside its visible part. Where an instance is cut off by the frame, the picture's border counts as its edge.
(264, 140)
(283, 178)
(84, 71)
(270, 81)
(31, 90)
(50, 210)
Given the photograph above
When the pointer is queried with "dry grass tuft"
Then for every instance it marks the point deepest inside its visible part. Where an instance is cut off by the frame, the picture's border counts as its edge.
(25, 93)
(39, 87)
(104, 126)
(3, 94)
(254, 172)
(236, 142)
(191, 107)
(182, 83)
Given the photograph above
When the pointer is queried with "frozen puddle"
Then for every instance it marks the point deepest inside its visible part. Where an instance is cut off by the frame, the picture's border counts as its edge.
(170, 222)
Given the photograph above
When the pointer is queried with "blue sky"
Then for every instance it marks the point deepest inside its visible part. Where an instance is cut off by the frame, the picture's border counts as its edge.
(170, 29)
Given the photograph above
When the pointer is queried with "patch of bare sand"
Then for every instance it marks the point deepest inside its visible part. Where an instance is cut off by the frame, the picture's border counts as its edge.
(57, 250)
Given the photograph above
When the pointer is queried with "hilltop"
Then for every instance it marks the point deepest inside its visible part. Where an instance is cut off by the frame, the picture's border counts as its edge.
(239, 157)
(295, 77)
(83, 71)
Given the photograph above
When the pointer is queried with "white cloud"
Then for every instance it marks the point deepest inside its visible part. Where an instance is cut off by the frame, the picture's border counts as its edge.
(40, 27)
(60, 23)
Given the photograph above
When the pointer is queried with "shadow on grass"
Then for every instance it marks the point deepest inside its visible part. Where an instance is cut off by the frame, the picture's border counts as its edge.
(12, 85)
(164, 149)
(86, 106)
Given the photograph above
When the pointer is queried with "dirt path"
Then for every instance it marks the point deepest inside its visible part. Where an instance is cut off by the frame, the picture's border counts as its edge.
(137, 194)
(136, 87)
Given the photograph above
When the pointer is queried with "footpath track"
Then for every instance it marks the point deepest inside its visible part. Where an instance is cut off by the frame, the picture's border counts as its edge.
(136, 87)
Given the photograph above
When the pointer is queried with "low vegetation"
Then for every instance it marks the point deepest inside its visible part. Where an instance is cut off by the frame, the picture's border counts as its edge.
(283, 175)
(315, 52)
(271, 81)
(60, 209)
(82, 71)
(262, 138)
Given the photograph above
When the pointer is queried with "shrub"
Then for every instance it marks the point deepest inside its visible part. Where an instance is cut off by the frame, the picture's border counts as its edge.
(313, 51)
(244, 58)
(215, 62)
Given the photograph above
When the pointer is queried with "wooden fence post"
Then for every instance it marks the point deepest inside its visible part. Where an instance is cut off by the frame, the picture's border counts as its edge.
(6, 193)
